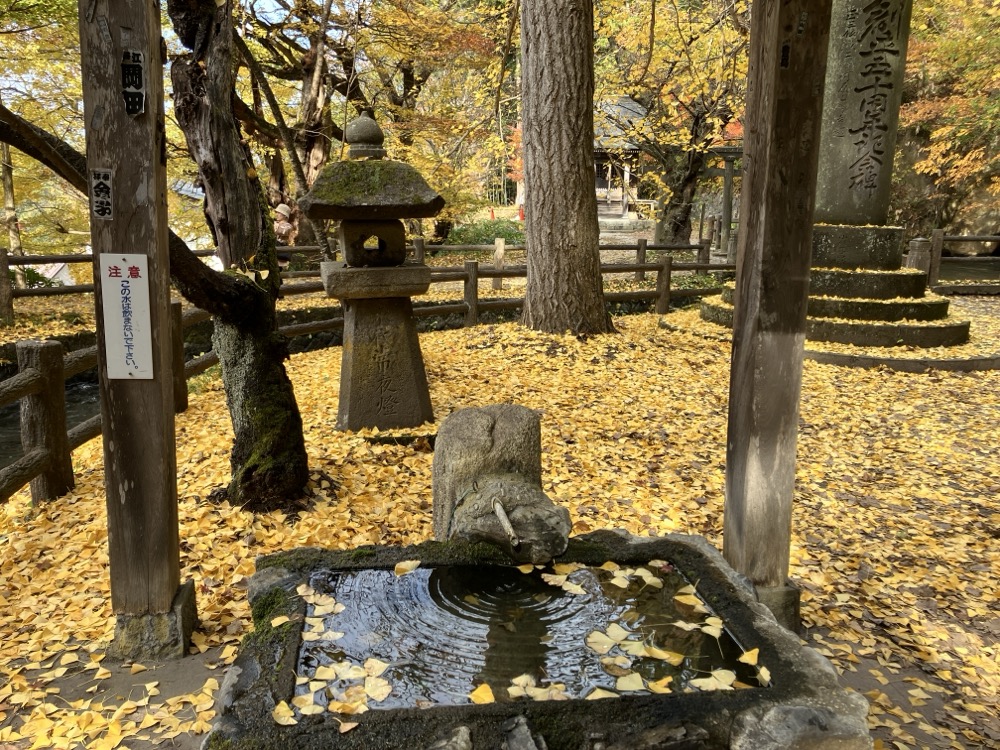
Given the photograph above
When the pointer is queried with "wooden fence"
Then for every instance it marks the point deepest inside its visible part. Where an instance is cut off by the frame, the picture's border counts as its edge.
(938, 240)
(42, 369)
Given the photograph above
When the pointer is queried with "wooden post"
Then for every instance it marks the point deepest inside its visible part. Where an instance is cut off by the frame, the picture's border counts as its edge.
(43, 418)
(418, 249)
(788, 52)
(6, 291)
(500, 249)
(659, 227)
(120, 48)
(177, 357)
(663, 285)
(471, 293)
(640, 257)
(937, 248)
(727, 209)
(705, 253)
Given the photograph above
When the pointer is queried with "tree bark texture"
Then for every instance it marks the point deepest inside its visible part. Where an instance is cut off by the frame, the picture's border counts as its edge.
(564, 289)
(787, 65)
(269, 463)
(677, 211)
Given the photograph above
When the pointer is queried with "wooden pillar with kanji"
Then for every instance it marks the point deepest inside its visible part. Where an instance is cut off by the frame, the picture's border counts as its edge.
(120, 46)
(787, 68)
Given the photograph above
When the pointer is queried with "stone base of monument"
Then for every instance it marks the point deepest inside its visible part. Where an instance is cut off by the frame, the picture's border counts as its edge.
(154, 637)
(361, 649)
(383, 382)
(860, 294)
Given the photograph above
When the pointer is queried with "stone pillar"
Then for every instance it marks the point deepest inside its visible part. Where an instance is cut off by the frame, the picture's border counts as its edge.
(382, 378)
(864, 89)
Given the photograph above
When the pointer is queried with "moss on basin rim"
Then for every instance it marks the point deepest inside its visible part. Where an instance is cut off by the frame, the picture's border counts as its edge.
(804, 706)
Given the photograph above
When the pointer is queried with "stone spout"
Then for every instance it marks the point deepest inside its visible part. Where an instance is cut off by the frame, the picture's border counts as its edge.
(487, 484)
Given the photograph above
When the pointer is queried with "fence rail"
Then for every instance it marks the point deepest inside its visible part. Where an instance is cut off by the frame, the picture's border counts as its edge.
(39, 384)
(938, 238)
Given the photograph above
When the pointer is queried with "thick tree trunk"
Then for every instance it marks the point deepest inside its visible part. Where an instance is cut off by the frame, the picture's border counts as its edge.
(269, 464)
(268, 458)
(677, 211)
(565, 290)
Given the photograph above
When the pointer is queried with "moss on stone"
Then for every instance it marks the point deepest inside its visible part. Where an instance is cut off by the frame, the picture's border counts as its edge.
(276, 601)
(370, 189)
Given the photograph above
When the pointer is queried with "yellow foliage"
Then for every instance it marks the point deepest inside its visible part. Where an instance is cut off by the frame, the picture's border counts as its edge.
(897, 491)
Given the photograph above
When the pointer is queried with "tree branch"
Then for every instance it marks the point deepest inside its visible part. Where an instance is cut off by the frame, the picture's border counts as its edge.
(301, 188)
(210, 290)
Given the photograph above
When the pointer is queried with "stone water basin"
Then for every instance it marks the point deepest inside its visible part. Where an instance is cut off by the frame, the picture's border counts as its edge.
(625, 642)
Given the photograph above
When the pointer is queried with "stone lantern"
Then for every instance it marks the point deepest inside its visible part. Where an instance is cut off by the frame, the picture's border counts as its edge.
(382, 380)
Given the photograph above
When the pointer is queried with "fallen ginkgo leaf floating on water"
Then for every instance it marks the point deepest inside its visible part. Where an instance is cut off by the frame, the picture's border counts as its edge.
(406, 566)
(719, 679)
(482, 695)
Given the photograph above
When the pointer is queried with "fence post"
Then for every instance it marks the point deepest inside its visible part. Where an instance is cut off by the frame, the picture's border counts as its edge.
(937, 247)
(705, 254)
(640, 257)
(471, 292)
(663, 286)
(43, 419)
(6, 291)
(500, 245)
(177, 356)
(418, 249)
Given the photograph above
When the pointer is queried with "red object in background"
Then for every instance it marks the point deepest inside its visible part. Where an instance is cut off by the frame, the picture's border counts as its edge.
(520, 212)
(493, 216)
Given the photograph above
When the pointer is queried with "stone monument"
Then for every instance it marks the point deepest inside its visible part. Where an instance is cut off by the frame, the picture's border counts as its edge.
(382, 379)
(864, 88)
(487, 484)
(858, 291)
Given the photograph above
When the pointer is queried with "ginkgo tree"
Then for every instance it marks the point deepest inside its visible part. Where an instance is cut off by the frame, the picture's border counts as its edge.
(685, 64)
(209, 80)
(950, 115)
(420, 67)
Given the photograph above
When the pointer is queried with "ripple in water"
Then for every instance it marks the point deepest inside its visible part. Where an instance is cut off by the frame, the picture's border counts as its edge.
(444, 631)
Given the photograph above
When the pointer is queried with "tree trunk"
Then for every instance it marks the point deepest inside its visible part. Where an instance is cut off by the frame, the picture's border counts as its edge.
(10, 213)
(677, 211)
(269, 464)
(565, 289)
(268, 459)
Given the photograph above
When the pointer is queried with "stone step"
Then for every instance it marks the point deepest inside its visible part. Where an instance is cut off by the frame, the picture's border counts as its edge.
(836, 282)
(860, 332)
(931, 308)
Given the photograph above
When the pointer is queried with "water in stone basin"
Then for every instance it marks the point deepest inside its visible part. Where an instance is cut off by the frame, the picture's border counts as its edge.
(444, 632)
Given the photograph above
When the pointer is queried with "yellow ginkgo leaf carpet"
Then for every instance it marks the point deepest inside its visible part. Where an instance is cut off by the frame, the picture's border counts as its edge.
(895, 539)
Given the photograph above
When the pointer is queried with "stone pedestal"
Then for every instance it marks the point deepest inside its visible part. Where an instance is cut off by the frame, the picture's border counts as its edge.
(382, 378)
(854, 247)
(154, 637)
